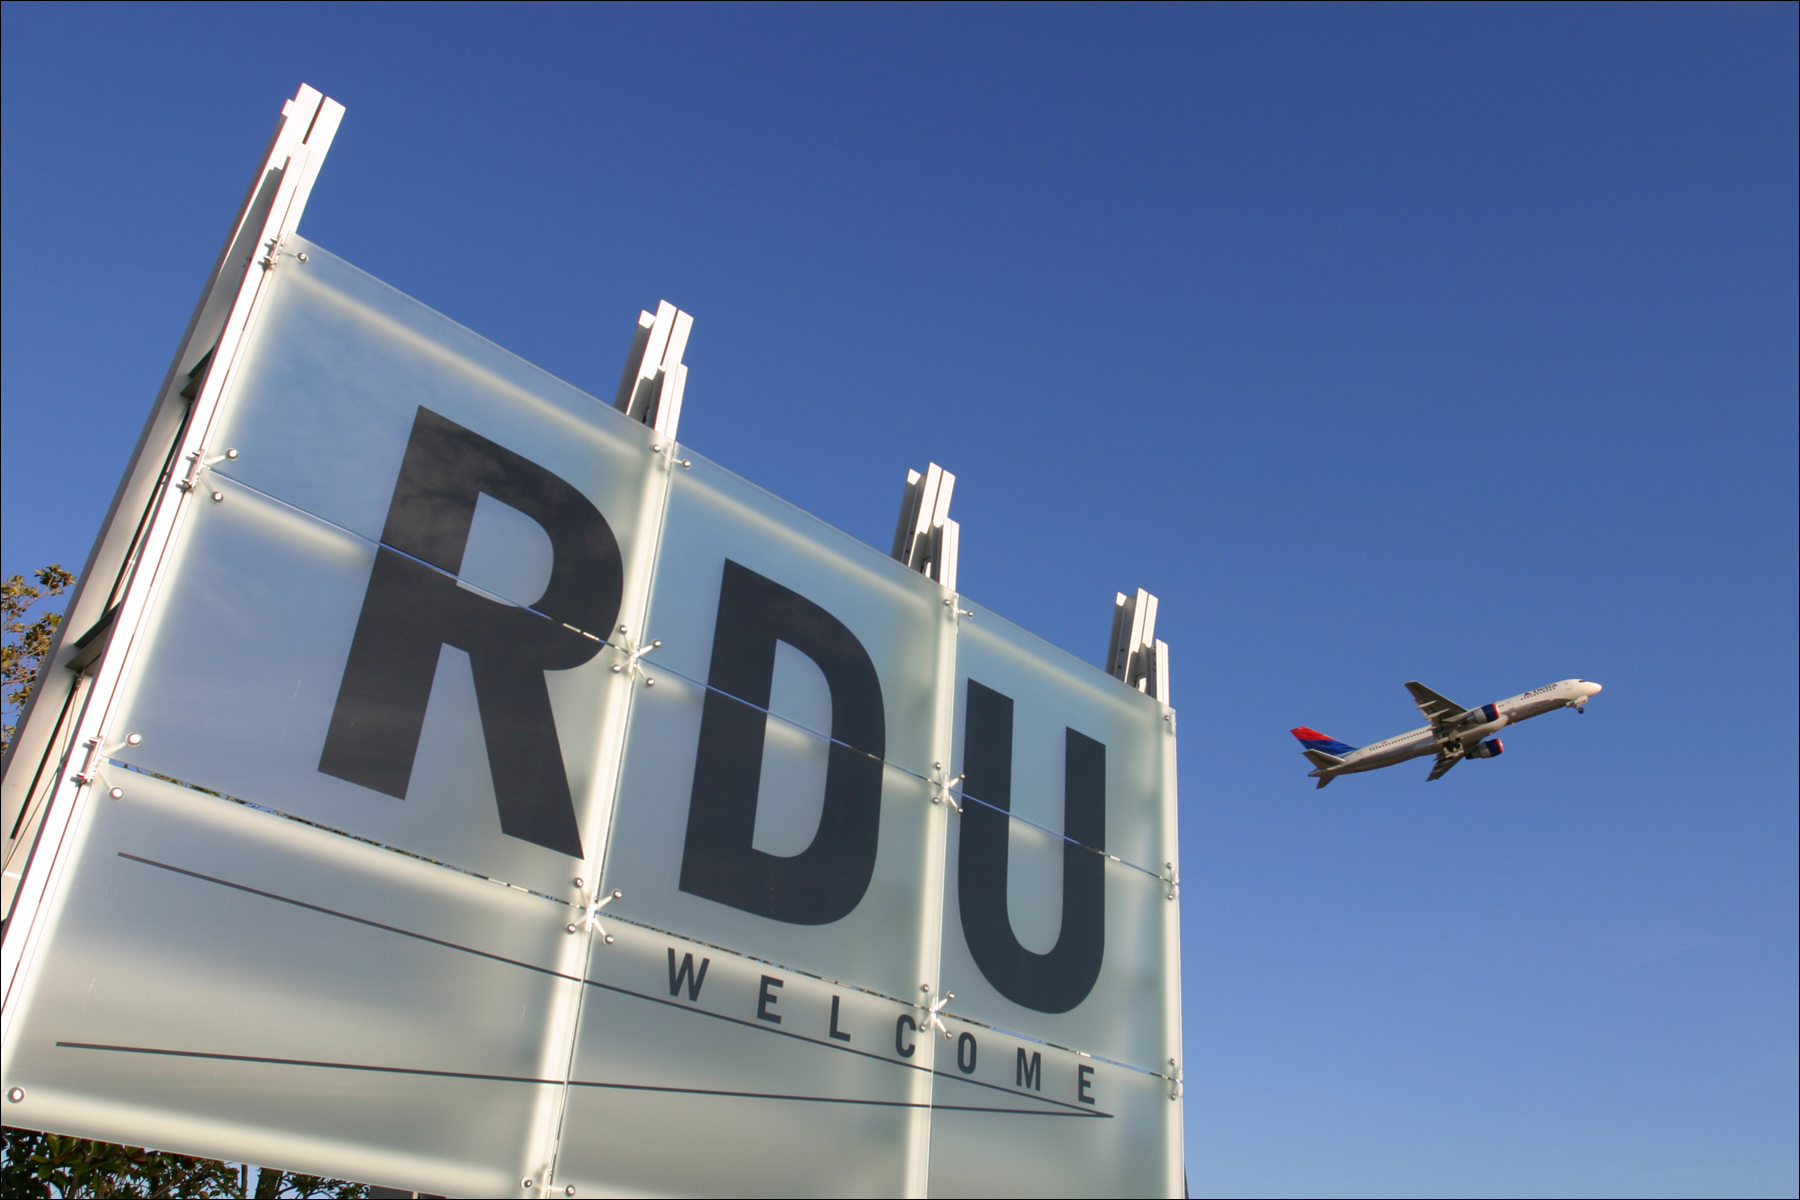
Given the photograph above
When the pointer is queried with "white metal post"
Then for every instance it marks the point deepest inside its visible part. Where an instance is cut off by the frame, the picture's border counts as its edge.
(1133, 654)
(654, 381)
(134, 548)
(925, 538)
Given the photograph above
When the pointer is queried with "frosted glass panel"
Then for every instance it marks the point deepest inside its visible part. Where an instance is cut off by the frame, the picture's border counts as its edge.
(774, 858)
(323, 408)
(446, 637)
(228, 983)
(1046, 692)
(1012, 1117)
(1105, 959)
(239, 681)
(702, 1073)
(737, 560)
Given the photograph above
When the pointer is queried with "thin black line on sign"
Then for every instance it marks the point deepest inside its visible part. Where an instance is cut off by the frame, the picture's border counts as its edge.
(305, 1062)
(633, 1087)
(449, 945)
(344, 916)
(648, 1087)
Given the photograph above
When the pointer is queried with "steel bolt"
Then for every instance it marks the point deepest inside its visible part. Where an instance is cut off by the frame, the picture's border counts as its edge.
(134, 739)
(117, 793)
(218, 496)
(578, 883)
(15, 1094)
(231, 454)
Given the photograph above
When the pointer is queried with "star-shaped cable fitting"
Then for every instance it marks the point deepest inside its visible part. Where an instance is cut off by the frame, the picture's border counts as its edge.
(634, 653)
(590, 916)
(944, 793)
(932, 1019)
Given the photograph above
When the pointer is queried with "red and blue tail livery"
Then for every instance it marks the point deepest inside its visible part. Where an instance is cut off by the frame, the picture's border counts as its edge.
(1312, 739)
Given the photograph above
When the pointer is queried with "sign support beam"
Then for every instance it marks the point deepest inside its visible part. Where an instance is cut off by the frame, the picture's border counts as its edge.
(1133, 654)
(925, 538)
(39, 798)
(654, 381)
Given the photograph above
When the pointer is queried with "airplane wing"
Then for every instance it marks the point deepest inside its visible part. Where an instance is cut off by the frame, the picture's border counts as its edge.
(1437, 709)
(1444, 763)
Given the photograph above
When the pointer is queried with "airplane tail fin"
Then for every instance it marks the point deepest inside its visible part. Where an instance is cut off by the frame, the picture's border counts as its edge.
(1312, 739)
(1322, 760)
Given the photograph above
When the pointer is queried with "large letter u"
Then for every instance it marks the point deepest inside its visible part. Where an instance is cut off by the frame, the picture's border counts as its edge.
(1057, 981)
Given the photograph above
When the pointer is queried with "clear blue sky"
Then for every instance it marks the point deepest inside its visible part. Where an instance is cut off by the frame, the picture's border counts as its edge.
(1383, 343)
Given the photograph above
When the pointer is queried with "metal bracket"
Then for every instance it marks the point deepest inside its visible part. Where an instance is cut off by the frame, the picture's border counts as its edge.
(90, 645)
(1133, 654)
(944, 794)
(1174, 1078)
(85, 776)
(196, 464)
(925, 538)
(1174, 881)
(932, 1019)
(634, 654)
(655, 380)
(590, 918)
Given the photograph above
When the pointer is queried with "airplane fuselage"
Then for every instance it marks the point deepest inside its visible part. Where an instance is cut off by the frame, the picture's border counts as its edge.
(1465, 736)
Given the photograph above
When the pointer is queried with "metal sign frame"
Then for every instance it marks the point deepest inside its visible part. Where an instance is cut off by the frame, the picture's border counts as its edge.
(139, 525)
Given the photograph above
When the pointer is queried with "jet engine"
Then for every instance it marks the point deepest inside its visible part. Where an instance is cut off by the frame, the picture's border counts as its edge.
(1484, 715)
(1477, 723)
(1488, 749)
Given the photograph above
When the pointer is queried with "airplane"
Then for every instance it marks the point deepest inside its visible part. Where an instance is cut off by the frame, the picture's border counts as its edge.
(1454, 732)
